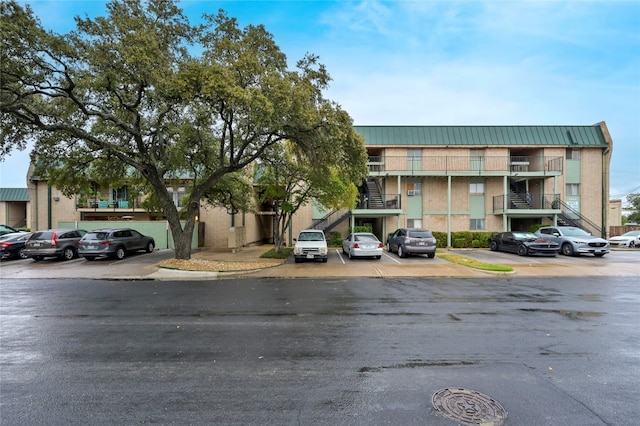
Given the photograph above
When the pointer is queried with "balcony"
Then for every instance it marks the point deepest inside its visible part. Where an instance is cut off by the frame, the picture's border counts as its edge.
(526, 204)
(464, 166)
(83, 205)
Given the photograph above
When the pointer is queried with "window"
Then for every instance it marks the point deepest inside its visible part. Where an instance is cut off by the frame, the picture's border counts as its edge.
(573, 154)
(476, 188)
(414, 153)
(414, 223)
(476, 224)
(177, 194)
(572, 189)
(121, 193)
(414, 188)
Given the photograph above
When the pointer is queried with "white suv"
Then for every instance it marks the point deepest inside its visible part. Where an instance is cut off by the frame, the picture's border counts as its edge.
(310, 245)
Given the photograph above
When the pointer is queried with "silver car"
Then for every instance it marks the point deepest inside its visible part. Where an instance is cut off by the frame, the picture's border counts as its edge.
(362, 244)
(408, 241)
(61, 243)
(574, 241)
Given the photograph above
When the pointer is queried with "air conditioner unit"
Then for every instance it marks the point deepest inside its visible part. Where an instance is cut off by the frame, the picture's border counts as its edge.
(411, 192)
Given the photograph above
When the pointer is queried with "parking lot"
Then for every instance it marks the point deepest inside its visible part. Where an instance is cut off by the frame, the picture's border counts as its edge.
(142, 265)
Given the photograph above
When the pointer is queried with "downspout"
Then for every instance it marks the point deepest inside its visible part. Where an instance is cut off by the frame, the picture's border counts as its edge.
(449, 211)
(49, 205)
(606, 156)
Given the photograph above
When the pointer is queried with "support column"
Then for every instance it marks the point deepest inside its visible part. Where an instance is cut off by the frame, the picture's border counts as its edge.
(449, 211)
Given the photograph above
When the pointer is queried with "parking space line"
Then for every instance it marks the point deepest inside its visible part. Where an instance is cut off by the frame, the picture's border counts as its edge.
(391, 257)
(340, 256)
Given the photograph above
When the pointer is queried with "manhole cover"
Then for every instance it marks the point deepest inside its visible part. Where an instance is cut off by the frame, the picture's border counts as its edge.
(468, 407)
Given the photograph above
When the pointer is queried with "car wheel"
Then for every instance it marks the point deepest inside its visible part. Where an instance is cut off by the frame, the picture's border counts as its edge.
(493, 246)
(21, 254)
(431, 255)
(150, 247)
(401, 252)
(349, 254)
(297, 260)
(378, 257)
(324, 260)
(389, 247)
(68, 253)
(120, 253)
(90, 258)
(522, 250)
(632, 244)
(567, 249)
(37, 258)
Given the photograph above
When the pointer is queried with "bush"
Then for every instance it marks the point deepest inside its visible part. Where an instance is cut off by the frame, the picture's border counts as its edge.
(335, 239)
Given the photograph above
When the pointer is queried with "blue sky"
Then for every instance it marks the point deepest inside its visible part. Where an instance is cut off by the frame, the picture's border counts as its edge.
(449, 62)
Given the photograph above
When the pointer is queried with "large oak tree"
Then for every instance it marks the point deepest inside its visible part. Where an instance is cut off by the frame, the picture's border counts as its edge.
(143, 94)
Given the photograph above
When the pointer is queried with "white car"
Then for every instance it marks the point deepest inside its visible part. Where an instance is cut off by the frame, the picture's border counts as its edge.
(362, 244)
(628, 239)
(310, 245)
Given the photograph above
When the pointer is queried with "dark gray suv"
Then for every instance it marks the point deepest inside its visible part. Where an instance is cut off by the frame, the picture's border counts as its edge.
(62, 243)
(408, 241)
(115, 242)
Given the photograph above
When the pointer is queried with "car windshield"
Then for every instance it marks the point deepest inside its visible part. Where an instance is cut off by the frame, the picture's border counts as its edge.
(419, 234)
(631, 234)
(525, 236)
(310, 236)
(575, 232)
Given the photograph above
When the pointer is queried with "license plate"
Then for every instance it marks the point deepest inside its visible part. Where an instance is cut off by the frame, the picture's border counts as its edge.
(421, 243)
(310, 256)
(92, 247)
(37, 244)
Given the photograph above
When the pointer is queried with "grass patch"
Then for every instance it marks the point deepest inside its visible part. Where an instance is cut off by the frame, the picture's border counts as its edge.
(272, 254)
(473, 263)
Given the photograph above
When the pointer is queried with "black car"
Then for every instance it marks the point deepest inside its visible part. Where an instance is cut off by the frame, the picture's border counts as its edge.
(113, 242)
(6, 229)
(524, 244)
(12, 245)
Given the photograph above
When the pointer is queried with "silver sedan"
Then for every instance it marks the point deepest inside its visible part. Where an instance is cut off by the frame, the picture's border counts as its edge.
(362, 244)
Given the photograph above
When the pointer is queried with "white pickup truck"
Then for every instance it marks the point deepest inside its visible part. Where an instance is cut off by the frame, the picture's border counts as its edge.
(310, 245)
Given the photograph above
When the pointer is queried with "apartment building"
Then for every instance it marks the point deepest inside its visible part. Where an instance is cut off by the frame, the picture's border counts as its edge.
(444, 178)
(485, 178)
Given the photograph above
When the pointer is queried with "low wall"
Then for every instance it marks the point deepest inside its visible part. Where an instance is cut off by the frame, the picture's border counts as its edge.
(158, 230)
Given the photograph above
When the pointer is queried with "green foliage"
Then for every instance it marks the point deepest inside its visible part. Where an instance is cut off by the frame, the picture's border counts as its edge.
(362, 229)
(534, 228)
(283, 253)
(121, 99)
(464, 239)
(441, 239)
(334, 239)
(634, 200)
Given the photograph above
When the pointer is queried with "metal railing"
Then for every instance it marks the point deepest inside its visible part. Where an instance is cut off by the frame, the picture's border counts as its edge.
(447, 164)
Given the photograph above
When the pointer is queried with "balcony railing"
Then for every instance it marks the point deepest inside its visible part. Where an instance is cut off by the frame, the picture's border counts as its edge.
(384, 202)
(95, 204)
(526, 201)
(449, 164)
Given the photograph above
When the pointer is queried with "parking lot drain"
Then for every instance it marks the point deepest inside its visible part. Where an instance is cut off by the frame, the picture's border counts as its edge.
(468, 407)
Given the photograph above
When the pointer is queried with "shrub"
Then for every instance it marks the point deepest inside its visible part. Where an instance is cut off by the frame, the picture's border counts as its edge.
(335, 239)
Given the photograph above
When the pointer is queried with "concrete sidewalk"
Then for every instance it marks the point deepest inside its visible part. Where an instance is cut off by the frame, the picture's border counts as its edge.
(364, 268)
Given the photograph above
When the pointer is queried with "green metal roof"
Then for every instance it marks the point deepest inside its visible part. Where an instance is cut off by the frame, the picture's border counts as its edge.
(14, 194)
(577, 136)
